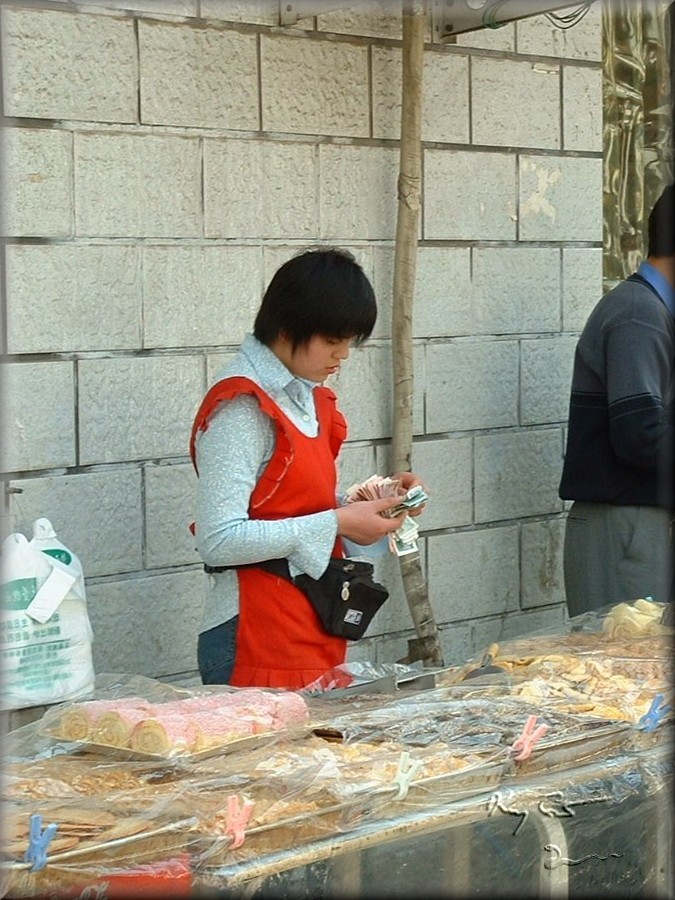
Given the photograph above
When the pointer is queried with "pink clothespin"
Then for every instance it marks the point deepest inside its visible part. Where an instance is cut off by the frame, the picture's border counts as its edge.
(522, 746)
(237, 819)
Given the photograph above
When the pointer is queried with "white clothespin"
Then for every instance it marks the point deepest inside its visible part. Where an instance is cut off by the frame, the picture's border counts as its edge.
(405, 773)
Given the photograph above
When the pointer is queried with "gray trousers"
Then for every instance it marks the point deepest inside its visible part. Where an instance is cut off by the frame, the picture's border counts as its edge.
(616, 554)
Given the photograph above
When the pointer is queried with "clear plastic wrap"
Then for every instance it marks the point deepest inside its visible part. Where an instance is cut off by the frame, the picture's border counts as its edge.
(361, 770)
(78, 809)
(355, 675)
(156, 722)
(578, 833)
(499, 727)
(615, 664)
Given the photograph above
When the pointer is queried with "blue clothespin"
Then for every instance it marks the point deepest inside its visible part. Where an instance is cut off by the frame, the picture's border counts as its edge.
(38, 842)
(656, 712)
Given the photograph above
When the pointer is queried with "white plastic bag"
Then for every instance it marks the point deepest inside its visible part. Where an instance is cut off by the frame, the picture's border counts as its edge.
(46, 633)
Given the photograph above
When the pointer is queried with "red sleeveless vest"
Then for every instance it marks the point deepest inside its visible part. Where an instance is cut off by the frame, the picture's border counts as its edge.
(280, 641)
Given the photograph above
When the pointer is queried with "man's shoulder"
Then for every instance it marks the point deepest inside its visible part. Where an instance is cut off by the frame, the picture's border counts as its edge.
(632, 286)
(630, 300)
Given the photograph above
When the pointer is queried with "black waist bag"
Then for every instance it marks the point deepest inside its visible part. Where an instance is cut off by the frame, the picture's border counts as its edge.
(345, 597)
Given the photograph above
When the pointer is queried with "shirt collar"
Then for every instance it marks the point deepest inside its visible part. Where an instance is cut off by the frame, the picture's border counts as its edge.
(660, 284)
(273, 375)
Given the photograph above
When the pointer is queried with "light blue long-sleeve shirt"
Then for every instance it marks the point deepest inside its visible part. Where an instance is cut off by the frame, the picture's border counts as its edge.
(230, 456)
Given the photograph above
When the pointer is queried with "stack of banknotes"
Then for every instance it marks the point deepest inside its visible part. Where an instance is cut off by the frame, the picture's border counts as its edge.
(404, 539)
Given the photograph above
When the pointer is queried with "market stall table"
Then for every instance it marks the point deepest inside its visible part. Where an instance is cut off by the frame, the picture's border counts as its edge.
(602, 829)
(550, 777)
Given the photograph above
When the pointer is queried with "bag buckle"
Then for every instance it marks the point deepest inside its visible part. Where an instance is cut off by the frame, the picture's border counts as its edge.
(344, 593)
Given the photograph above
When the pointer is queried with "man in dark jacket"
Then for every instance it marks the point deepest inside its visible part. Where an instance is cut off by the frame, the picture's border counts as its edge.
(618, 466)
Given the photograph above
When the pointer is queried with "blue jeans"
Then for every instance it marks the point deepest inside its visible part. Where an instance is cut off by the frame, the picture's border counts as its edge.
(215, 652)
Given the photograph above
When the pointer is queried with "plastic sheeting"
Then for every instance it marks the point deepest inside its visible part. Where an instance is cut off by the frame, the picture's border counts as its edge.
(390, 784)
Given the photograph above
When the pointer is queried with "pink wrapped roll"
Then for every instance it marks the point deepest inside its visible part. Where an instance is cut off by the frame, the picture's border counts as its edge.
(292, 710)
(263, 702)
(258, 721)
(202, 702)
(217, 728)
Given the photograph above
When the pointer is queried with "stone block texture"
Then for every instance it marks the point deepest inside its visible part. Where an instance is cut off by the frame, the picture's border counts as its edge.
(474, 573)
(445, 116)
(259, 12)
(357, 198)
(541, 545)
(512, 473)
(258, 189)
(443, 300)
(202, 62)
(59, 295)
(141, 624)
(199, 295)
(169, 512)
(37, 183)
(161, 159)
(545, 375)
(68, 65)
(147, 404)
(469, 195)
(502, 89)
(581, 279)
(38, 415)
(137, 185)
(471, 385)
(338, 103)
(582, 129)
(516, 290)
(98, 515)
(554, 200)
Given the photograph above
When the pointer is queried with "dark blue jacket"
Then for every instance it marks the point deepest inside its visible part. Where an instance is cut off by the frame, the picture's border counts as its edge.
(621, 421)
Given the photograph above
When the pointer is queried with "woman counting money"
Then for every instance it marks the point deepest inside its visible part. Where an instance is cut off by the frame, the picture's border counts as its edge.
(264, 444)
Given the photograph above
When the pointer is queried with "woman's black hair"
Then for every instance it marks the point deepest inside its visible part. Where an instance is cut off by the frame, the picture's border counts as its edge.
(323, 291)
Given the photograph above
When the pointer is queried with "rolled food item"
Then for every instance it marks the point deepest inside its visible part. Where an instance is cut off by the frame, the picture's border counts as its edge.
(291, 710)
(271, 709)
(253, 698)
(78, 720)
(255, 706)
(198, 703)
(215, 728)
(115, 726)
(626, 621)
(164, 734)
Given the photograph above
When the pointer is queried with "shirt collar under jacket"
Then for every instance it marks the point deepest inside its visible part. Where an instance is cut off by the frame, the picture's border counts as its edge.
(272, 374)
(660, 284)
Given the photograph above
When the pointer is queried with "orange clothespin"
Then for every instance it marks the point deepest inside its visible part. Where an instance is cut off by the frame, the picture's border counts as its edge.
(522, 746)
(237, 819)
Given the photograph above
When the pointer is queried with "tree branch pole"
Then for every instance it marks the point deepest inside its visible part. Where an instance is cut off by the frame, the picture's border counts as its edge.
(426, 646)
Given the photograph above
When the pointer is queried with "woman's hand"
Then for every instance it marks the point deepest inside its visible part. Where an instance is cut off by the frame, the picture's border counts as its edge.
(410, 480)
(362, 521)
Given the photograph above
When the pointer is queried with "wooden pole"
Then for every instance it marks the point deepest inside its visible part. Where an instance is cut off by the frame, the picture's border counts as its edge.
(426, 646)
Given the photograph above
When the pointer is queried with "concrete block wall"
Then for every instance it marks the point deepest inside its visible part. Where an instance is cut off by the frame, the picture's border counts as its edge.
(161, 158)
